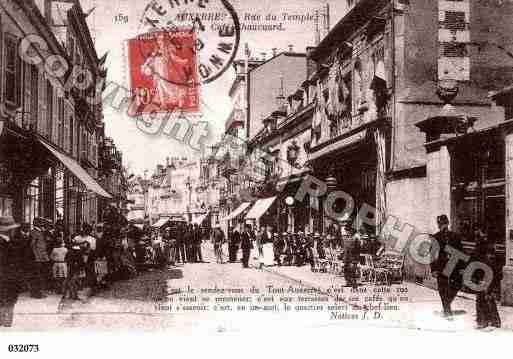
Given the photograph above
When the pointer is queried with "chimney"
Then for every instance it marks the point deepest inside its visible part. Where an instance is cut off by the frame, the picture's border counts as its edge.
(291, 48)
(311, 65)
(281, 101)
(275, 51)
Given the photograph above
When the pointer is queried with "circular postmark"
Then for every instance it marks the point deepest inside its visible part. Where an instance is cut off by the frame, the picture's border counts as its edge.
(214, 24)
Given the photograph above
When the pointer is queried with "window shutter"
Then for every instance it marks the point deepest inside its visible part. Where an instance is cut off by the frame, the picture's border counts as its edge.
(55, 117)
(26, 116)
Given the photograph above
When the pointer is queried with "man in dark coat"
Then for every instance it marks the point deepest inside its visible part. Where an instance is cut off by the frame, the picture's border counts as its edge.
(278, 247)
(189, 243)
(352, 248)
(12, 264)
(246, 245)
(486, 306)
(198, 239)
(180, 244)
(233, 245)
(449, 284)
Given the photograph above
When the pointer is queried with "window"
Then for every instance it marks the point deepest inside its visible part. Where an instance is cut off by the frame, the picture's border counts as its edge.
(49, 109)
(60, 123)
(358, 86)
(454, 20)
(453, 50)
(34, 93)
(12, 79)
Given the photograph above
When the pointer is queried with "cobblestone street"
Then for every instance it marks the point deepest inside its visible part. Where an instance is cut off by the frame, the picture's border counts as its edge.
(133, 304)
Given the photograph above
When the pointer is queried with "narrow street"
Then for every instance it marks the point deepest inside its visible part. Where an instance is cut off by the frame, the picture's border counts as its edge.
(133, 304)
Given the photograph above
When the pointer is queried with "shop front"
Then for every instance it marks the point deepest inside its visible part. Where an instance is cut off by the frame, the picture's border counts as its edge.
(26, 176)
(469, 177)
(355, 165)
(38, 180)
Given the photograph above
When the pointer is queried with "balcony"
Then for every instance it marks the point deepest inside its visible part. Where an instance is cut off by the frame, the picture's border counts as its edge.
(228, 165)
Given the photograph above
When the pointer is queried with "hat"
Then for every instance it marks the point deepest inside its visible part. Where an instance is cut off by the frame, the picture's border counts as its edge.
(7, 223)
(284, 234)
(442, 219)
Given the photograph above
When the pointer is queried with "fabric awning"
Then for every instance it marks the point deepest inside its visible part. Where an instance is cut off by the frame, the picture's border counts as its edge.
(238, 211)
(261, 206)
(160, 222)
(354, 139)
(77, 170)
(199, 219)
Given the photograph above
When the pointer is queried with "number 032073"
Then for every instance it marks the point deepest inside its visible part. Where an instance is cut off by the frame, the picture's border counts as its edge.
(23, 348)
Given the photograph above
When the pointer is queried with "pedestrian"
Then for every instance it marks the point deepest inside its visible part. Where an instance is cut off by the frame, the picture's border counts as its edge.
(190, 244)
(289, 249)
(219, 240)
(76, 266)
(169, 247)
(267, 246)
(233, 246)
(59, 267)
(180, 243)
(12, 262)
(278, 247)
(160, 259)
(198, 240)
(41, 258)
(140, 255)
(321, 253)
(246, 245)
(449, 284)
(487, 314)
(351, 257)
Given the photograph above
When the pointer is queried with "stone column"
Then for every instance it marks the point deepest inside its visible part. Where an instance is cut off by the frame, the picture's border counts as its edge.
(507, 280)
(438, 170)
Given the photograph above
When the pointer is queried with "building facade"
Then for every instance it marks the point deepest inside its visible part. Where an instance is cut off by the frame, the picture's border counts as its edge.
(413, 123)
(52, 128)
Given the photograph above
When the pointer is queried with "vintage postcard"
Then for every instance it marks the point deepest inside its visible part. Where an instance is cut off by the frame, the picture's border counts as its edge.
(198, 166)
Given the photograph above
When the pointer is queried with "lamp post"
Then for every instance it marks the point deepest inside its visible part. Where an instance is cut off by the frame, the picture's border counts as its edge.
(331, 184)
(289, 201)
(189, 188)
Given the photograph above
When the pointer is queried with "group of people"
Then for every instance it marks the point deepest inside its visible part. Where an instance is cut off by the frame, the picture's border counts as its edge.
(450, 282)
(294, 249)
(43, 260)
(46, 259)
(181, 244)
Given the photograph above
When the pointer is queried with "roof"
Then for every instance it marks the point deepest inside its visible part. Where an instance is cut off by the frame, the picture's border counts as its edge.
(285, 53)
(354, 19)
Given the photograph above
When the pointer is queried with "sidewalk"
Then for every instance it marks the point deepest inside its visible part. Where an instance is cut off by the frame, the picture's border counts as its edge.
(422, 311)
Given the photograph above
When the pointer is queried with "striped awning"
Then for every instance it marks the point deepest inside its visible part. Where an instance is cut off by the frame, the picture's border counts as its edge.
(77, 170)
(160, 222)
(261, 206)
(237, 212)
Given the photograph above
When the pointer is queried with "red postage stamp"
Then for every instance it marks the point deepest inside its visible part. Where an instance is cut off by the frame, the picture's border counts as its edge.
(163, 72)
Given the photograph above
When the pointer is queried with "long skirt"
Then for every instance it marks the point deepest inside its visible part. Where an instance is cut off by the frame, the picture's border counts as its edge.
(268, 254)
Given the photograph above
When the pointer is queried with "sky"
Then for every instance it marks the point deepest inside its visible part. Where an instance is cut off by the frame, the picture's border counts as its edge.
(142, 151)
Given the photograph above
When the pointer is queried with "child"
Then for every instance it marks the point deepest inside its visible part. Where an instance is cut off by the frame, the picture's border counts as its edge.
(60, 268)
